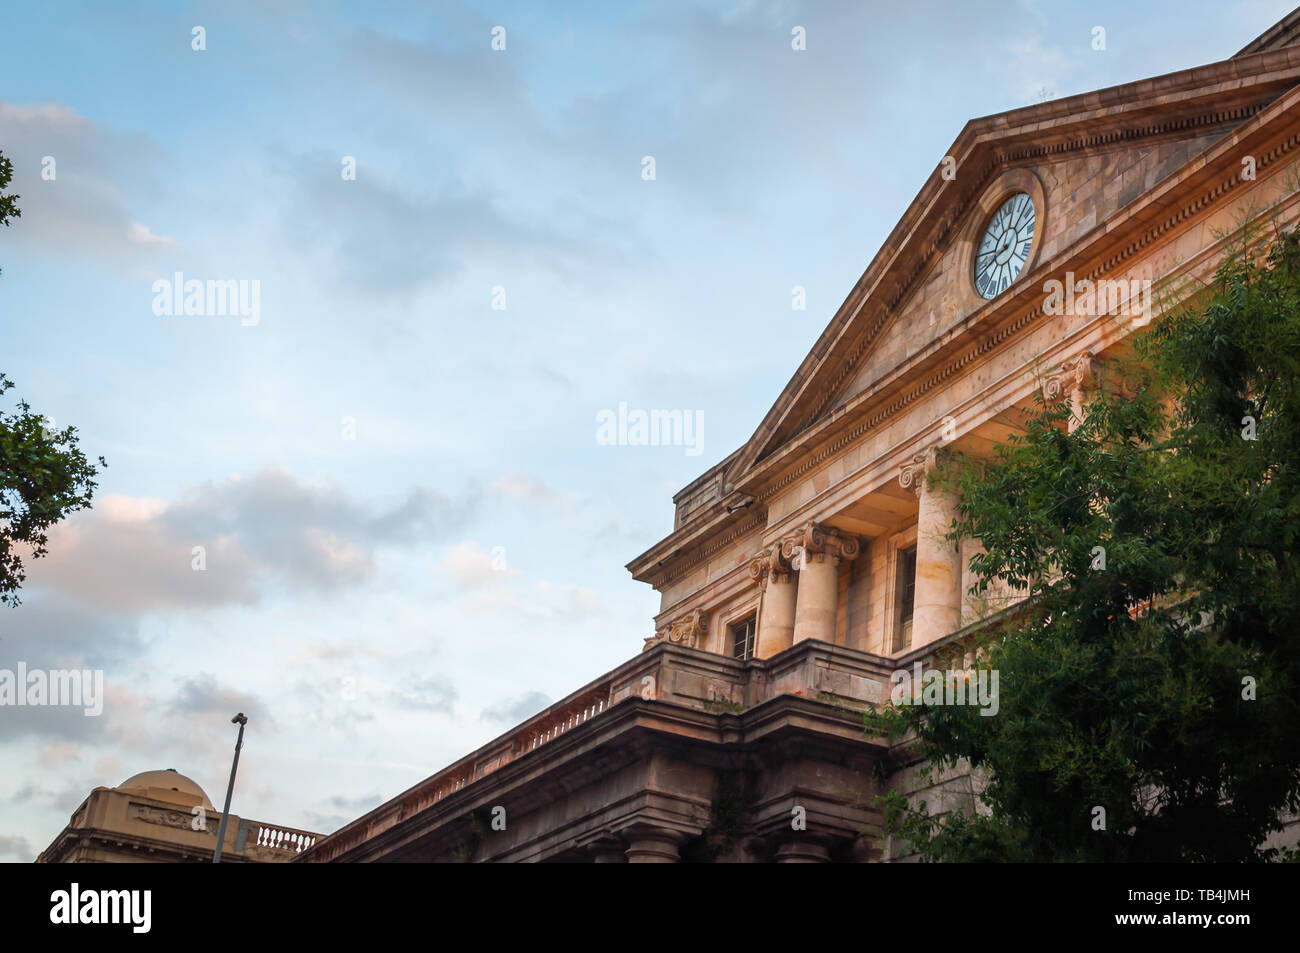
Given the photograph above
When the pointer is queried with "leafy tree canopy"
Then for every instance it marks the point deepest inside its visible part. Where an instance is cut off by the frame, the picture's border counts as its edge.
(44, 476)
(1160, 682)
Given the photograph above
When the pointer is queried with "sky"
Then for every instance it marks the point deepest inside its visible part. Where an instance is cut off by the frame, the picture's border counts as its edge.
(410, 536)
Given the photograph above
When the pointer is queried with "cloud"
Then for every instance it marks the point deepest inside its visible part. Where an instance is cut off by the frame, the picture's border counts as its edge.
(65, 799)
(203, 696)
(82, 213)
(53, 755)
(571, 602)
(359, 805)
(516, 709)
(327, 650)
(431, 693)
(131, 555)
(390, 239)
(50, 632)
(483, 80)
(18, 848)
(526, 488)
(117, 558)
(475, 569)
(140, 235)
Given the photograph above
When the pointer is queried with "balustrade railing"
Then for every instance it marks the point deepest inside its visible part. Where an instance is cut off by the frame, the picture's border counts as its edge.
(286, 839)
(702, 680)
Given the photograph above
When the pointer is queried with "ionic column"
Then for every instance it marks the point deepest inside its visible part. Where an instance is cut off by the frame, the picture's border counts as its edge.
(776, 614)
(815, 551)
(936, 611)
(653, 845)
(1073, 380)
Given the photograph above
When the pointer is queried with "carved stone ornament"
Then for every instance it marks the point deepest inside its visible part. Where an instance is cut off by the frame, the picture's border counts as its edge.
(769, 566)
(1074, 374)
(154, 815)
(689, 631)
(912, 476)
(815, 541)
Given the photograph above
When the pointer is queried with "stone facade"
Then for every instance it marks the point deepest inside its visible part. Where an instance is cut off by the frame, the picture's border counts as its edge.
(164, 817)
(826, 530)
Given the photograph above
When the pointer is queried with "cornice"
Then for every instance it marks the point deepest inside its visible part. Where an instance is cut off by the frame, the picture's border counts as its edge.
(999, 160)
(681, 562)
(991, 144)
(1204, 97)
(1137, 227)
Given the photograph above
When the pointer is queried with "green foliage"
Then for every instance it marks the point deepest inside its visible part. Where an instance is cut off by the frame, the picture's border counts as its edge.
(718, 706)
(8, 203)
(1123, 687)
(44, 476)
(729, 811)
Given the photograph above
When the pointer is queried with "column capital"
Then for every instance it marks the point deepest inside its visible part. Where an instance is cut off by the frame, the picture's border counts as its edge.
(768, 565)
(911, 476)
(818, 541)
(1072, 374)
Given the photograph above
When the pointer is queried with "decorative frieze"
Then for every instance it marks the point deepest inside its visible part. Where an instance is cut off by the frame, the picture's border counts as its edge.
(154, 815)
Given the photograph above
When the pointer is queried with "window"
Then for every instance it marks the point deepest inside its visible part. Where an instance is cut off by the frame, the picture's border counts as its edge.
(742, 638)
(906, 589)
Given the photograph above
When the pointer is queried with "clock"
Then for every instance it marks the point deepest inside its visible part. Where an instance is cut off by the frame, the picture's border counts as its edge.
(1004, 249)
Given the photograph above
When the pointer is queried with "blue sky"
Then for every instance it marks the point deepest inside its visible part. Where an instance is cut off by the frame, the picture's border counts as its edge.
(459, 564)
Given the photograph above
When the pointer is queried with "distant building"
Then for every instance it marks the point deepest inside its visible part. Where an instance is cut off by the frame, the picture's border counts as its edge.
(164, 817)
(811, 563)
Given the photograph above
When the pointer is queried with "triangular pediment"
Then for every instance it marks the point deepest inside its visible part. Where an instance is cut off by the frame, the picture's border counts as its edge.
(1126, 139)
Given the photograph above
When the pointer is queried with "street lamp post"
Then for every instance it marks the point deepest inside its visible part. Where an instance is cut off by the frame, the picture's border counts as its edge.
(241, 721)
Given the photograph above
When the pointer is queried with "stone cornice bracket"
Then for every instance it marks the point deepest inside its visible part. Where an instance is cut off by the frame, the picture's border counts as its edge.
(818, 541)
(769, 566)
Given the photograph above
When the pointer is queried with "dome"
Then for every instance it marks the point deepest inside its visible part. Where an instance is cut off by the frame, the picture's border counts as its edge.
(166, 785)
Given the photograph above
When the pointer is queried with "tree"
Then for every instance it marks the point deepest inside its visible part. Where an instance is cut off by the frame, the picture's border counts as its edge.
(8, 203)
(44, 476)
(1150, 699)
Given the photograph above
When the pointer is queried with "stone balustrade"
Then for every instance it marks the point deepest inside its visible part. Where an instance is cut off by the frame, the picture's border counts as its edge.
(704, 681)
(283, 838)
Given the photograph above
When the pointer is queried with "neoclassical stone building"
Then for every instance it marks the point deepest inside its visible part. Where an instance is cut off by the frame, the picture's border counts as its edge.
(812, 562)
(165, 817)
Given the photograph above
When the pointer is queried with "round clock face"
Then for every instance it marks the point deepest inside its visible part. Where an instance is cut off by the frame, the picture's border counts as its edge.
(1004, 249)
